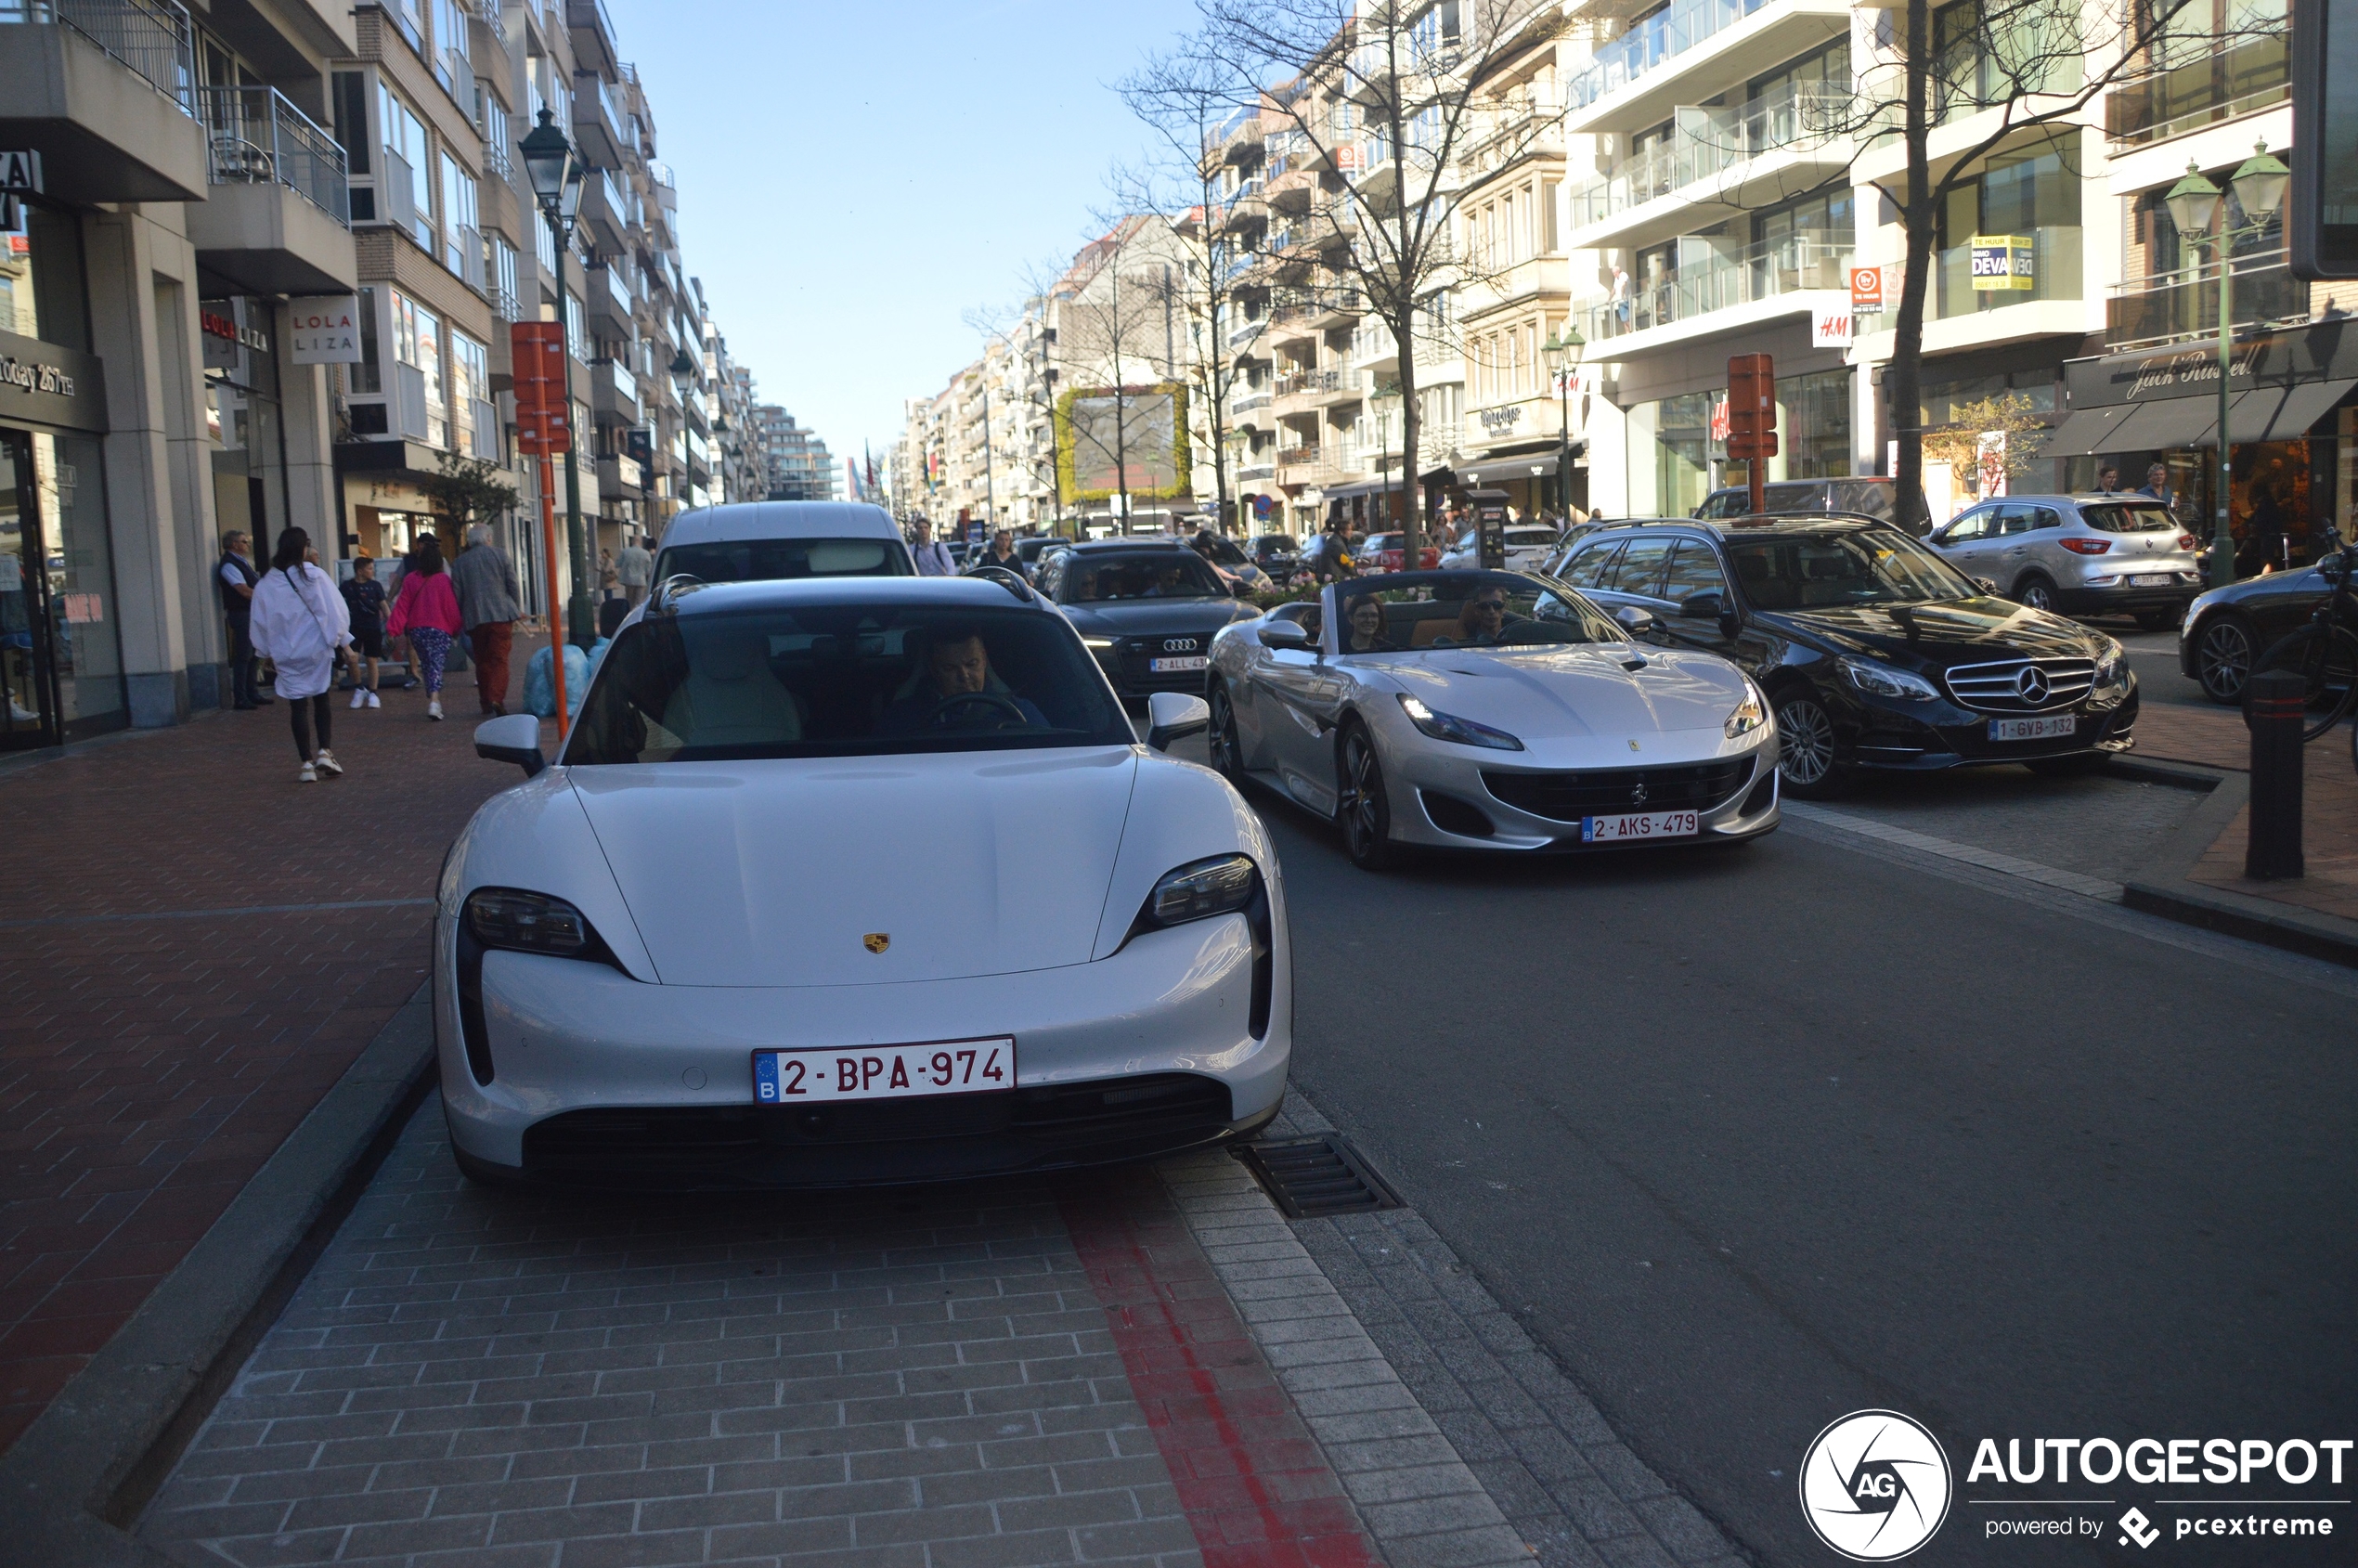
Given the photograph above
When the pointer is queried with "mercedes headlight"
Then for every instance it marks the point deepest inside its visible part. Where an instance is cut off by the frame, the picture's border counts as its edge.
(521, 922)
(1883, 680)
(1750, 714)
(1449, 727)
(2112, 666)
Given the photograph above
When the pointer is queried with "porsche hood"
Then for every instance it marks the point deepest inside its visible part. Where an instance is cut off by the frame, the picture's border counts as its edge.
(863, 870)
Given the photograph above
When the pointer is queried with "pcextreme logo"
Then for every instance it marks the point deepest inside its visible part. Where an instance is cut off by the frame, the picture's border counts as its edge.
(1875, 1485)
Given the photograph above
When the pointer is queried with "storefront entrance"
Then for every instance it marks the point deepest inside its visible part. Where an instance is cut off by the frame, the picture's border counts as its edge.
(60, 660)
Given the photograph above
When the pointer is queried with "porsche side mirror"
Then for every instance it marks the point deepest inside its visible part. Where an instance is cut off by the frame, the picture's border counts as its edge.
(1173, 715)
(1635, 621)
(513, 738)
(1285, 634)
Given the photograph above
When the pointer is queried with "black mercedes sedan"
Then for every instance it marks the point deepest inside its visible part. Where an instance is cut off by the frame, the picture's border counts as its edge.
(1875, 652)
(1147, 608)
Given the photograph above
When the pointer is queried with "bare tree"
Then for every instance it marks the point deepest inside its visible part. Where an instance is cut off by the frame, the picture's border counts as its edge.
(1381, 95)
(1113, 310)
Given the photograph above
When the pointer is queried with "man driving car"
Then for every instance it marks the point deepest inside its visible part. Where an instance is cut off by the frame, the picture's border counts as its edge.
(1483, 618)
(957, 691)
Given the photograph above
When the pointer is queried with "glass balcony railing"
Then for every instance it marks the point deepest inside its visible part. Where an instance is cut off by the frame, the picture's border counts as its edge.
(2221, 86)
(254, 136)
(2184, 305)
(1711, 142)
(1662, 36)
(1808, 260)
(2055, 275)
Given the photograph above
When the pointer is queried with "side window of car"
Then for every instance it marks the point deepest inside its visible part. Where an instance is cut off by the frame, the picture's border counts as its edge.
(2045, 517)
(1642, 567)
(1588, 568)
(2015, 518)
(1971, 526)
(1695, 569)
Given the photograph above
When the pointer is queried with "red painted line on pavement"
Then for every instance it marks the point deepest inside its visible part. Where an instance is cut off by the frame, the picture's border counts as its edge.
(1257, 1490)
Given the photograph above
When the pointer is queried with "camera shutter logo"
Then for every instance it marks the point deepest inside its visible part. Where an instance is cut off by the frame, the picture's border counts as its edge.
(1875, 1485)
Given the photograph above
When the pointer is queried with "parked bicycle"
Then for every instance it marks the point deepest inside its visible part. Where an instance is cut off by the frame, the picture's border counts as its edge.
(2325, 653)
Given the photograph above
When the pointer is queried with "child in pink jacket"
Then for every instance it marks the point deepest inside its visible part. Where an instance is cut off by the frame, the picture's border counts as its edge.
(427, 613)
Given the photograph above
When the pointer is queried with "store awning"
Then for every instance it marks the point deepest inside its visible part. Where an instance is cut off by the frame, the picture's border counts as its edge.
(2261, 413)
(1522, 465)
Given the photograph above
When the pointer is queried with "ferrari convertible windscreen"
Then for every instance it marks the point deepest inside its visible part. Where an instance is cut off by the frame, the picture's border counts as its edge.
(744, 560)
(843, 681)
(1442, 610)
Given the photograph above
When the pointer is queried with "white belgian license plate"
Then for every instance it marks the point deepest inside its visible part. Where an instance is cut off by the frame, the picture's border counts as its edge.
(1187, 661)
(2033, 728)
(882, 1072)
(2154, 579)
(1639, 824)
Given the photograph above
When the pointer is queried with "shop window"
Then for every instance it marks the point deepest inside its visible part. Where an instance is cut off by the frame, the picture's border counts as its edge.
(1816, 439)
(41, 280)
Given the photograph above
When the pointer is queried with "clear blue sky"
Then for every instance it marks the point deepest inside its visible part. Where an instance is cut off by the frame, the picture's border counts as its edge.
(854, 178)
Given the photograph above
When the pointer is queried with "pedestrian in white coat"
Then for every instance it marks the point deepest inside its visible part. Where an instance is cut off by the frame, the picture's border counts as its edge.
(301, 626)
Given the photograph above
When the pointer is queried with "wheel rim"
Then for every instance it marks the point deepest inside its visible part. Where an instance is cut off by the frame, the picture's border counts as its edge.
(2225, 660)
(2036, 597)
(1807, 738)
(1362, 807)
(1225, 756)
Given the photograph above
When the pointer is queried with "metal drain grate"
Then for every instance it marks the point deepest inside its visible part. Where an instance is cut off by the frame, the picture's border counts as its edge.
(1312, 1178)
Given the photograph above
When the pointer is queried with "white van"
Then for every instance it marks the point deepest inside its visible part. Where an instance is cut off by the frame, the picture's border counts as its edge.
(750, 540)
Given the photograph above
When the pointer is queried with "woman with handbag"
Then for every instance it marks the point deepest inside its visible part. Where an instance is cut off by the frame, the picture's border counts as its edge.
(301, 625)
(427, 611)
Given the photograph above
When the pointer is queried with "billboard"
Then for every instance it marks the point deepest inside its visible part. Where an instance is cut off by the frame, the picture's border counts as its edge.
(1104, 435)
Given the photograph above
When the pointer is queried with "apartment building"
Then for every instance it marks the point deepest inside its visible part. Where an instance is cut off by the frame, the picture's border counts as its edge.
(794, 460)
(172, 208)
(745, 474)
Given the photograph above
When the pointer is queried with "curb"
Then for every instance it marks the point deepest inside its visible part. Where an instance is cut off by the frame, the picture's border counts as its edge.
(2178, 775)
(2161, 888)
(83, 1471)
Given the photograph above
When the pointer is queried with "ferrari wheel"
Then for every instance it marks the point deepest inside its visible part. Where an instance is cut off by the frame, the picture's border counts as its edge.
(1364, 809)
(1227, 755)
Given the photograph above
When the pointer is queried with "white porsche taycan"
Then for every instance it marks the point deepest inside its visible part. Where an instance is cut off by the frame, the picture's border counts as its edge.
(844, 881)
(1489, 710)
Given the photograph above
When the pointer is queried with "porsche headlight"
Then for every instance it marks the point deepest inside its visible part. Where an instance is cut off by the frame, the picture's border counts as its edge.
(1750, 714)
(521, 922)
(1449, 727)
(1201, 889)
(1884, 681)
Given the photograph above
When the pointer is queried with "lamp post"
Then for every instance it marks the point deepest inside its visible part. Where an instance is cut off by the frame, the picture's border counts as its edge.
(1387, 402)
(556, 174)
(2194, 202)
(1563, 353)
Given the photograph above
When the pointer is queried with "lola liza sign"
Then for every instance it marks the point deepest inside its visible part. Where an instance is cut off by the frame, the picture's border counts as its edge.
(324, 330)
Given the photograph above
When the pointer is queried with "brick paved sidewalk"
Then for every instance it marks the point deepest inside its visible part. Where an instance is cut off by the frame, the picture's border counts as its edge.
(179, 988)
(2215, 737)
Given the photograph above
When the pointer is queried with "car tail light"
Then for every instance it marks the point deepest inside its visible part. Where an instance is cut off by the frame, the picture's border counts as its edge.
(2087, 547)
(2188, 542)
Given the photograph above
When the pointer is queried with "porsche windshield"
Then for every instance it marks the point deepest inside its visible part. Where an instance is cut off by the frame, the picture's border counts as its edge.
(1160, 574)
(843, 681)
(1827, 571)
(1443, 610)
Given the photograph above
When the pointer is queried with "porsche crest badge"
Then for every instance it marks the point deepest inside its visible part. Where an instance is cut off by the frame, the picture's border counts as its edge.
(876, 941)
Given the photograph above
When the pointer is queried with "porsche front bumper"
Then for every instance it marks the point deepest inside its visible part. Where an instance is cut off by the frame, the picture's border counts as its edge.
(598, 1079)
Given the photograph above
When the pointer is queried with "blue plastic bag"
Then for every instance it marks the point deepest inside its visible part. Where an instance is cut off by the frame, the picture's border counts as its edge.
(539, 683)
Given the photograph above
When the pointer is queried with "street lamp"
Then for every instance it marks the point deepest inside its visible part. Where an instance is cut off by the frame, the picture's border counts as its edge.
(2194, 203)
(557, 177)
(1563, 353)
(1387, 402)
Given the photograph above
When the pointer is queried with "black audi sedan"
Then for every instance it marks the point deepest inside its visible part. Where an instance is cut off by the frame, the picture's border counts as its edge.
(2228, 628)
(1875, 652)
(1147, 608)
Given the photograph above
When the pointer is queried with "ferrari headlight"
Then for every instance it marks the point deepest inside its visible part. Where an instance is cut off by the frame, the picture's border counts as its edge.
(1199, 890)
(1750, 714)
(1884, 681)
(521, 922)
(1449, 727)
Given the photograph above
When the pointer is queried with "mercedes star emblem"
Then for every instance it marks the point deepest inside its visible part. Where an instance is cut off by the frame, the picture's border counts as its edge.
(2033, 685)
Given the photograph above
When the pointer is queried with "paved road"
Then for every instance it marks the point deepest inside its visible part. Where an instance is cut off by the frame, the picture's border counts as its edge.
(1760, 1137)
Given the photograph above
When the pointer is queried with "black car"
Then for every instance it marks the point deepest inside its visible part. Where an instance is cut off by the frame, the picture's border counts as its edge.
(1277, 555)
(1147, 609)
(2226, 628)
(1874, 651)
(1869, 496)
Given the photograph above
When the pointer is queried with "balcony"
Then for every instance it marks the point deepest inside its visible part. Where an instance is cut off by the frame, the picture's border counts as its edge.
(1297, 465)
(602, 212)
(1696, 49)
(278, 217)
(1238, 138)
(606, 294)
(1779, 275)
(1735, 158)
(619, 475)
(593, 35)
(597, 124)
(2055, 271)
(614, 393)
(2226, 85)
(102, 90)
(2184, 304)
